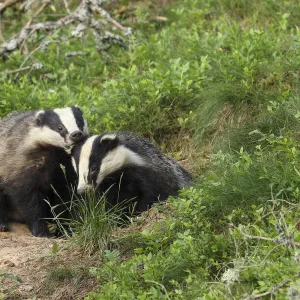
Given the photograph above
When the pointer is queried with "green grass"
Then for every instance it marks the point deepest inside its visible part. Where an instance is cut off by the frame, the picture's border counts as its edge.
(222, 77)
(92, 223)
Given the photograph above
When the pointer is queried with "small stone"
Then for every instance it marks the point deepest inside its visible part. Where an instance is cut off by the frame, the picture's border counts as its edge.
(9, 263)
(27, 288)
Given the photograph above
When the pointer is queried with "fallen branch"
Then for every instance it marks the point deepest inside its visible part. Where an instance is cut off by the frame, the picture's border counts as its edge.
(83, 16)
(14, 43)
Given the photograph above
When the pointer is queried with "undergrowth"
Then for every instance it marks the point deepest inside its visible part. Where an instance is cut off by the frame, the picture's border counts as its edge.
(223, 78)
(236, 236)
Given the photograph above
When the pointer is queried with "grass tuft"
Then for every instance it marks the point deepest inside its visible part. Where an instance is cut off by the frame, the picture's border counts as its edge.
(92, 222)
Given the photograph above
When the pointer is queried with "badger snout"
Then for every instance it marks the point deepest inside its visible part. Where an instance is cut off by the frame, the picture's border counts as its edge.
(80, 191)
(82, 188)
(76, 136)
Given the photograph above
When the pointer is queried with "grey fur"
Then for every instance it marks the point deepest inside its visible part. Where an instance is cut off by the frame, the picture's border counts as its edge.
(14, 129)
(30, 164)
(174, 175)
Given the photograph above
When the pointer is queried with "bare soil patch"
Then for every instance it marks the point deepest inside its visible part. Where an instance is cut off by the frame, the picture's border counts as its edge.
(30, 270)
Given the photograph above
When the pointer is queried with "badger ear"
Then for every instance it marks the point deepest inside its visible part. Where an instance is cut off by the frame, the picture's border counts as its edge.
(109, 141)
(39, 116)
(78, 107)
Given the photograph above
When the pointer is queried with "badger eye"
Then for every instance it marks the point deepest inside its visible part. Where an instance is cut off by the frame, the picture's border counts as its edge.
(93, 169)
(60, 128)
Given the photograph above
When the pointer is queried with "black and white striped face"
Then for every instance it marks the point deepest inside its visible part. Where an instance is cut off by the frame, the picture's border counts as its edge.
(100, 156)
(60, 127)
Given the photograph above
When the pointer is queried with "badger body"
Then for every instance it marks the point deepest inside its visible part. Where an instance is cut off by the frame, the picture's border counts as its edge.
(34, 147)
(125, 167)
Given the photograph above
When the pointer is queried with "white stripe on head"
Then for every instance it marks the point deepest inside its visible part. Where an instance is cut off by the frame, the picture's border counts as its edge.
(67, 118)
(84, 160)
(44, 136)
(116, 159)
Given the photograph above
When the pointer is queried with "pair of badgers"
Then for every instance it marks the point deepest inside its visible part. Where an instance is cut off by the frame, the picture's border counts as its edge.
(122, 166)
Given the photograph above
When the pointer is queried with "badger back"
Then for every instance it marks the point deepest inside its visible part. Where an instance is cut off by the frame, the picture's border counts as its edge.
(174, 175)
(19, 121)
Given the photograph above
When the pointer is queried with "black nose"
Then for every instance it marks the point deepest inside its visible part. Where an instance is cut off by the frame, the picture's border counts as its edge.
(76, 136)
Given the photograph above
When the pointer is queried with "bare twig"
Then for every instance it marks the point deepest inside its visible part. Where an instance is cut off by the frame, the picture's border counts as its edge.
(35, 66)
(108, 17)
(46, 3)
(262, 238)
(17, 70)
(43, 44)
(158, 19)
(8, 3)
(1, 35)
(67, 6)
(26, 5)
(274, 289)
(24, 42)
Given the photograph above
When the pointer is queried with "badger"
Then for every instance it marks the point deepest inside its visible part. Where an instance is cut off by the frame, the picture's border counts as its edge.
(125, 167)
(36, 164)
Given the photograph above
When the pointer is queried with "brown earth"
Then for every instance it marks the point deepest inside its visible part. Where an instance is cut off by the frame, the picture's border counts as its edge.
(29, 269)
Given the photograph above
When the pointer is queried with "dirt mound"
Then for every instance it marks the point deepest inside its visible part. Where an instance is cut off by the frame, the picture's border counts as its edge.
(25, 263)
(18, 247)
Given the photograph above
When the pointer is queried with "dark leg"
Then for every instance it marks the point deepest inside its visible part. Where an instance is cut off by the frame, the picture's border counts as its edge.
(147, 196)
(35, 212)
(3, 213)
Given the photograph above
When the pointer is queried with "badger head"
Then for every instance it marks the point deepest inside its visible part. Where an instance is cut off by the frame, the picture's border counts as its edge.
(61, 127)
(100, 156)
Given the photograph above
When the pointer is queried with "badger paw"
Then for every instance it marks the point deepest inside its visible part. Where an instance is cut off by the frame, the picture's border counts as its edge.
(40, 229)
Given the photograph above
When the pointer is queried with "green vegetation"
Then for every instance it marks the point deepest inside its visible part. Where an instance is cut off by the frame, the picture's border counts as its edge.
(218, 80)
(93, 224)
